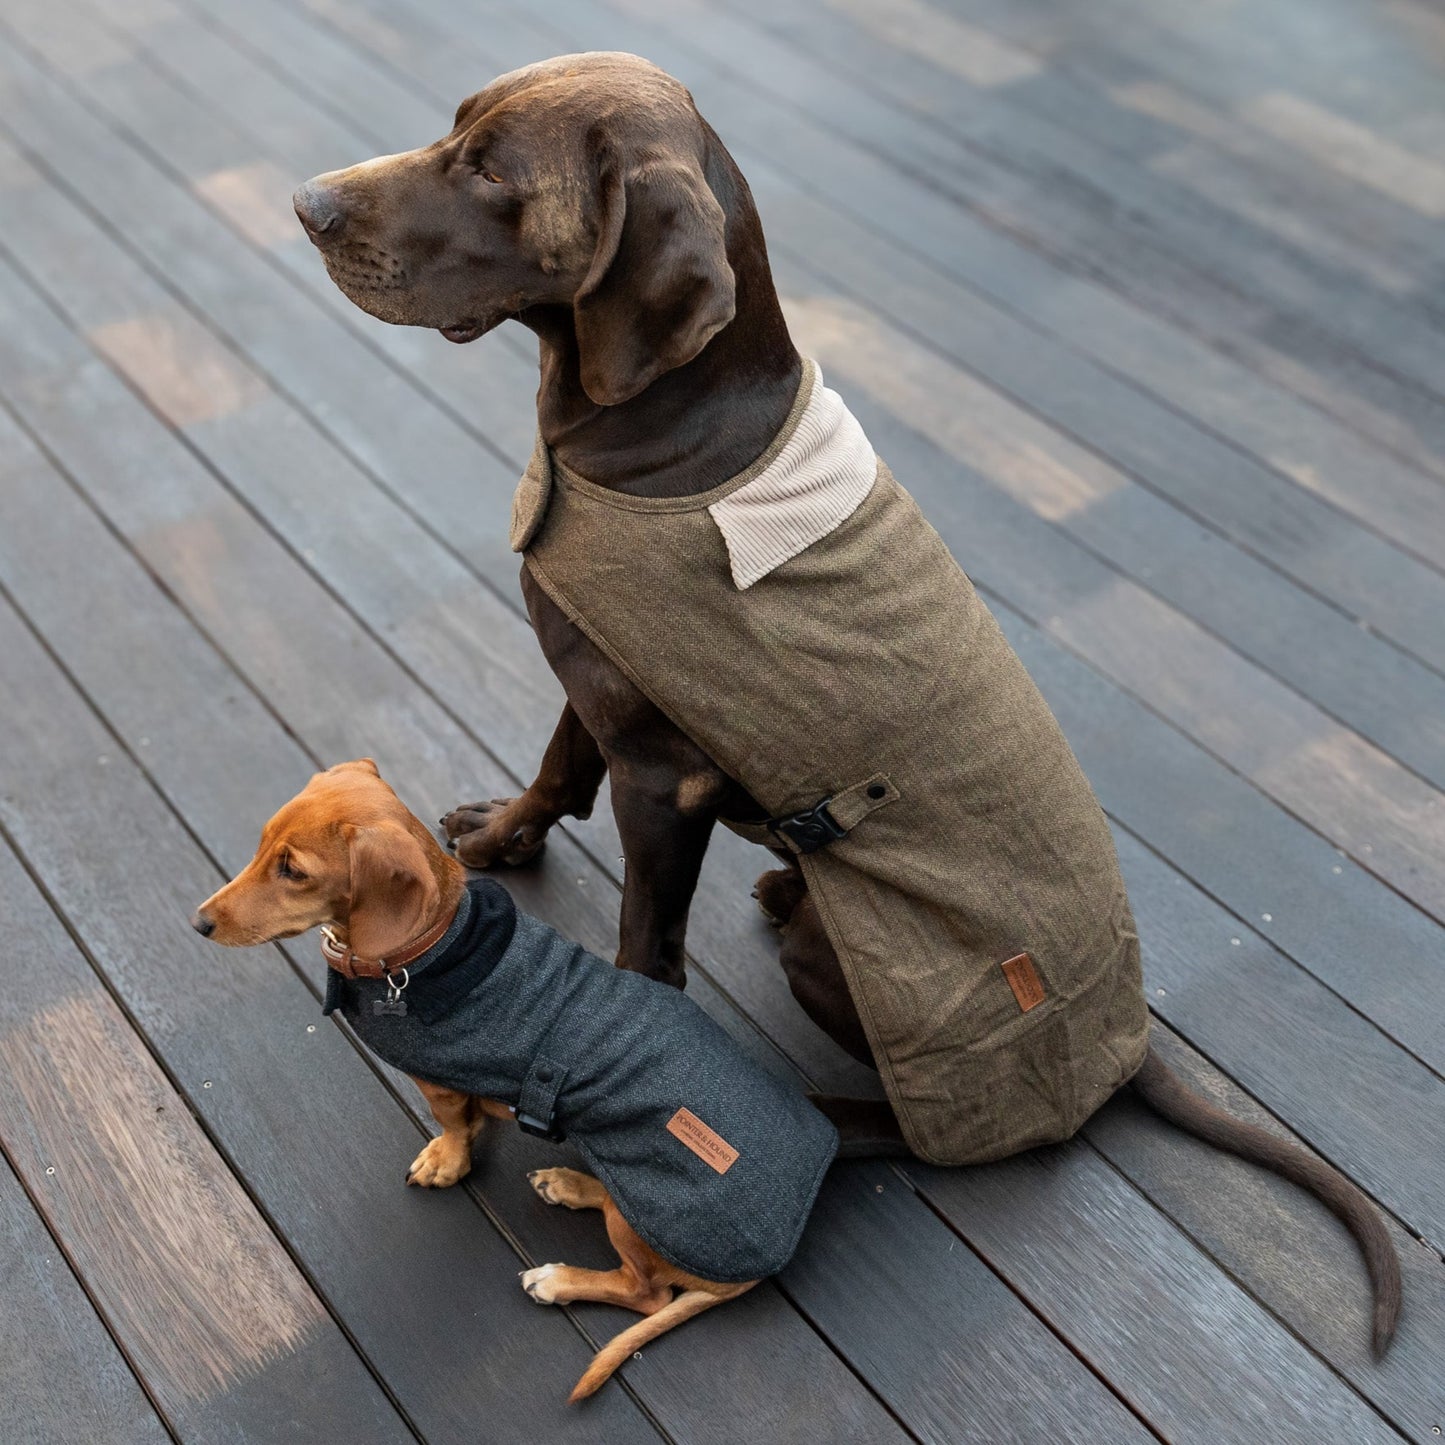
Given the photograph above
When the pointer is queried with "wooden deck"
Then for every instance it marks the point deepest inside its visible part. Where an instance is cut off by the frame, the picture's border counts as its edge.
(1141, 298)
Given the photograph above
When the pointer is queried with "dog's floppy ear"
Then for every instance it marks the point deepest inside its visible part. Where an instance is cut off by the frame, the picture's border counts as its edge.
(358, 765)
(392, 890)
(659, 287)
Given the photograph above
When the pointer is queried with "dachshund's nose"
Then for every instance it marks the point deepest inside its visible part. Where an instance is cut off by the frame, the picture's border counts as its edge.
(317, 208)
(203, 925)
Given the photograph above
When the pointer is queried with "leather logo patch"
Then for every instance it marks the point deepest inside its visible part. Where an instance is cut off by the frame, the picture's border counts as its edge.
(708, 1145)
(1024, 979)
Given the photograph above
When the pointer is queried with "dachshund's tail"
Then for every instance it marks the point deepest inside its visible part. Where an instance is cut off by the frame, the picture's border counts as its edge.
(687, 1304)
(1168, 1096)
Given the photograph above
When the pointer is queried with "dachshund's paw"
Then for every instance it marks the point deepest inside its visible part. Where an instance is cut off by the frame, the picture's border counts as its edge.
(488, 835)
(440, 1164)
(567, 1187)
(779, 891)
(541, 1283)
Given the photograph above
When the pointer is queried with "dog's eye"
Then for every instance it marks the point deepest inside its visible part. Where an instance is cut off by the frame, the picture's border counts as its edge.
(286, 869)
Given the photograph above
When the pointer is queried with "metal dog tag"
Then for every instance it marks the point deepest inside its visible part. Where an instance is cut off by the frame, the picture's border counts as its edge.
(393, 1005)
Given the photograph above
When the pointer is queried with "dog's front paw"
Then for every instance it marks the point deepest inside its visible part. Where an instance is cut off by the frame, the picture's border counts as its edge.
(440, 1164)
(779, 891)
(541, 1283)
(567, 1187)
(488, 834)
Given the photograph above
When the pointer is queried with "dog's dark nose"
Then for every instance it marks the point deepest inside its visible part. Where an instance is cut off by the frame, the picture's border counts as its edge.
(203, 925)
(317, 208)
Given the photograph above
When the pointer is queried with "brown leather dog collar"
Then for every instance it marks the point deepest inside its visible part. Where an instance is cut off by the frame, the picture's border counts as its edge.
(350, 965)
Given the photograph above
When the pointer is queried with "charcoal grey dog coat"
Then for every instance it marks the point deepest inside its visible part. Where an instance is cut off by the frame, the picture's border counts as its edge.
(808, 629)
(505, 1008)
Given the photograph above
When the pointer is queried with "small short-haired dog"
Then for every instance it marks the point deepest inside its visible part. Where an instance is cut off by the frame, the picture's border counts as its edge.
(708, 1165)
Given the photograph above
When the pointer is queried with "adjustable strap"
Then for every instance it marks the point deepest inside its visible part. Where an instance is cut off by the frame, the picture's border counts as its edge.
(537, 1102)
(825, 822)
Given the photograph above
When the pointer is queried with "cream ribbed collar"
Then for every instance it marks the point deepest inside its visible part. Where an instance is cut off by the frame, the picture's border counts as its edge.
(811, 478)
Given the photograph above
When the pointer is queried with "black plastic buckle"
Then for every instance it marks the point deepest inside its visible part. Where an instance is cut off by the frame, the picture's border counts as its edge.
(811, 830)
(536, 1106)
(542, 1128)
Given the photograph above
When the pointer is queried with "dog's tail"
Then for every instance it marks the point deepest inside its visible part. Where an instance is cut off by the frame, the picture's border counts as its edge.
(1168, 1096)
(689, 1303)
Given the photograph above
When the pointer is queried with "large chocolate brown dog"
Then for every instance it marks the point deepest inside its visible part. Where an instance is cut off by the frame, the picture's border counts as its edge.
(587, 198)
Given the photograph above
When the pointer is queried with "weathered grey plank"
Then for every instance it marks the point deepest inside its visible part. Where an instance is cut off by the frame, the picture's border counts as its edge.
(215, 1318)
(1068, 1220)
(1130, 53)
(1090, 85)
(49, 1332)
(1288, 1250)
(1274, 191)
(1131, 64)
(1392, 74)
(1127, 228)
(862, 1279)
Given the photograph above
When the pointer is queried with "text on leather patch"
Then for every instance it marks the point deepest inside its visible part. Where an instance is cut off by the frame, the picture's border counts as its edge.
(708, 1145)
(1024, 979)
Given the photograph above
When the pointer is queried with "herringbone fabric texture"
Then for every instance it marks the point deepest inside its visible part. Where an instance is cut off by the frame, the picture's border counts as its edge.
(610, 1057)
(869, 652)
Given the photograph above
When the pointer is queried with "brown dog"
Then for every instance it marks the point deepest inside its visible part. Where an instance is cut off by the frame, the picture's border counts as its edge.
(345, 854)
(586, 198)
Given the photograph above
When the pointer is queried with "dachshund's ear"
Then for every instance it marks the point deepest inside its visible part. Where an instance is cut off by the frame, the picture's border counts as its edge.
(393, 891)
(360, 765)
(659, 287)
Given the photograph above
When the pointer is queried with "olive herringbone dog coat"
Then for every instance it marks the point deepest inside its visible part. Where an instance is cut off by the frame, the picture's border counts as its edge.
(810, 631)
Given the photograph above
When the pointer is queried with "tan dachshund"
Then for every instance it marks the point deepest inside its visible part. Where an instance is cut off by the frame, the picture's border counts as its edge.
(346, 855)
